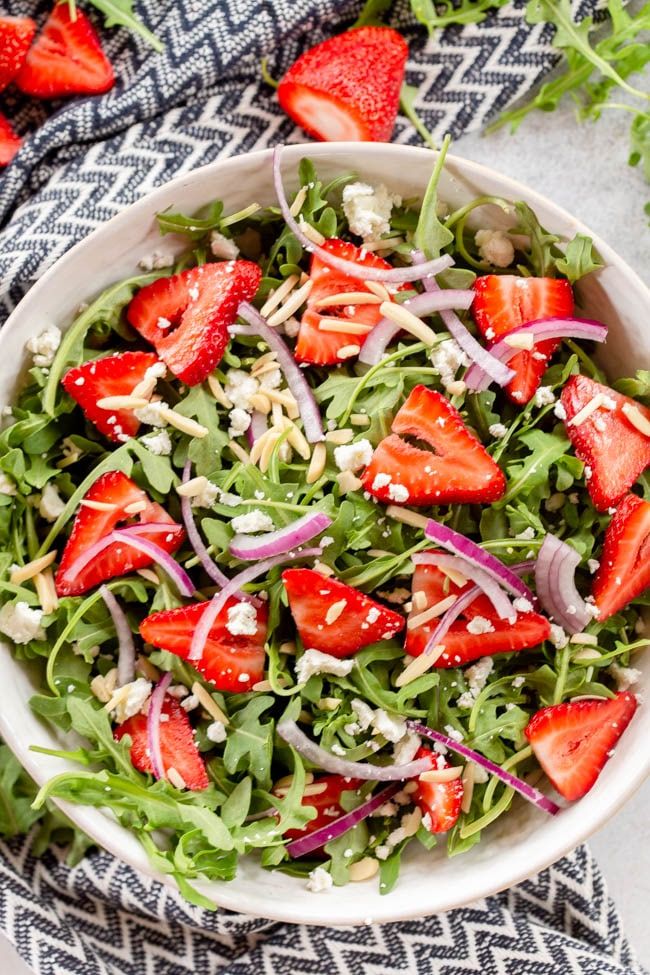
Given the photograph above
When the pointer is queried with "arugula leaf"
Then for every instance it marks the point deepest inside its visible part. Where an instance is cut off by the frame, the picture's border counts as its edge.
(407, 96)
(532, 472)
(251, 746)
(16, 794)
(371, 13)
(195, 226)
(579, 259)
(542, 243)
(640, 143)
(431, 236)
(119, 13)
(453, 12)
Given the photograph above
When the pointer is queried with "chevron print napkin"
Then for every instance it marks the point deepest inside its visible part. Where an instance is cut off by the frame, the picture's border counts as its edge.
(200, 100)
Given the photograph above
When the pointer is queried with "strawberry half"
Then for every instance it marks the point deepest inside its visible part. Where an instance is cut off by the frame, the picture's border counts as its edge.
(355, 620)
(326, 803)
(503, 302)
(624, 571)
(16, 35)
(116, 375)
(66, 59)
(460, 471)
(347, 88)
(321, 348)
(604, 435)
(186, 317)
(231, 663)
(9, 142)
(177, 745)
(572, 741)
(440, 802)
(493, 635)
(116, 489)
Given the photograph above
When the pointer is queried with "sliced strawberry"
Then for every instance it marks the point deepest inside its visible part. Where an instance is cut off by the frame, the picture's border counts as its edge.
(624, 571)
(326, 803)
(603, 435)
(231, 663)
(90, 526)
(116, 375)
(506, 301)
(356, 619)
(462, 646)
(459, 472)
(439, 802)
(16, 35)
(186, 316)
(10, 143)
(347, 88)
(572, 741)
(177, 745)
(321, 347)
(66, 59)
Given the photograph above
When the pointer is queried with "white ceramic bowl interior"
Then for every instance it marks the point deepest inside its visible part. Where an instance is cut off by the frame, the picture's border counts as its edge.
(521, 843)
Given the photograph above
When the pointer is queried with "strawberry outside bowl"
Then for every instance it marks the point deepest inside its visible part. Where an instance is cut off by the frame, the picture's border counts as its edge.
(519, 844)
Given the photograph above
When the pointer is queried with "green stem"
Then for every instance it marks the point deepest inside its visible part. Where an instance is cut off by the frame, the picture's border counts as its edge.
(507, 766)
(489, 817)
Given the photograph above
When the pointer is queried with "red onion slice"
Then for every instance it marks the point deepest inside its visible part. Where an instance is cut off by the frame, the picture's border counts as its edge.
(309, 412)
(446, 620)
(471, 347)
(293, 735)
(385, 331)
(153, 725)
(98, 547)
(283, 540)
(555, 582)
(162, 558)
(395, 275)
(485, 582)
(126, 646)
(527, 791)
(477, 377)
(216, 604)
(258, 426)
(459, 545)
(317, 839)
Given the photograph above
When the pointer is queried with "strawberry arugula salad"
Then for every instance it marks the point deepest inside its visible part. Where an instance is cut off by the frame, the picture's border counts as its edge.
(329, 535)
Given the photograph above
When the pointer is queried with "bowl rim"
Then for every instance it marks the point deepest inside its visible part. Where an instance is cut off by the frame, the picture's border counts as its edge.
(90, 819)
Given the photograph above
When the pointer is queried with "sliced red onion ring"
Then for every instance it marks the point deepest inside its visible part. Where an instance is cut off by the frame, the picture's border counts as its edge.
(459, 545)
(483, 580)
(555, 582)
(258, 426)
(446, 620)
(216, 604)
(385, 331)
(98, 547)
(527, 791)
(317, 839)
(162, 558)
(309, 412)
(395, 275)
(477, 377)
(126, 646)
(153, 725)
(293, 735)
(471, 347)
(283, 540)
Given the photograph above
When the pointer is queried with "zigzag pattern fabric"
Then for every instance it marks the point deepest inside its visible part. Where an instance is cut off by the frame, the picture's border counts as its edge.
(200, 100)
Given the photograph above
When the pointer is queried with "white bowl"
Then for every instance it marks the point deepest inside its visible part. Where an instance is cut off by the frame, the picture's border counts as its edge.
(521, 843)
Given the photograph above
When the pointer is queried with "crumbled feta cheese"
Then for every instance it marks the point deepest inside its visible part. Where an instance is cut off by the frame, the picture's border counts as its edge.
(368, 210)
(150, 414)
(476, 677)
(319, 880)
(396, 836)
(382, 852)
(518, 681)
(223, 247)
(271, 379)
(239, 388)
(44, 346)
(352, 456)
(130, 699)
(558, 637)
(216, 732)
(158, 443)
(495, 246)
(51, 504)
(325, 541)
(157, 371)
(190, 703)
(365, 714)
(207, 497)
(242, 619)
(446, 358)
(593, 565)
(406, 748)
(479, 624)
(559, 411)
(522, 605)
(397, 596)
(291, 327)
(544, 396)
(21, 623)
(239, 422)
(155, 261)
(373, 615)
(230, 500)
(497, 430)
(314, 662)
(398, 493)
(254, 521)
(527, 534)
(391, 727)
(453, 733)
(380, 481)
(625, 677)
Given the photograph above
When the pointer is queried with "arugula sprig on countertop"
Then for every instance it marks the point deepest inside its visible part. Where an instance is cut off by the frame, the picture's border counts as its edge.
(120, 13)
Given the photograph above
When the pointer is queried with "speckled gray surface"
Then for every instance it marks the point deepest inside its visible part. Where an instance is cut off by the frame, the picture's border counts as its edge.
(582, 168)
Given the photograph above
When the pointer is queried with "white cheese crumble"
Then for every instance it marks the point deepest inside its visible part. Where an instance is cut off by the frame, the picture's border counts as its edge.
(21, 623)
(479, 624)
(406, 748)
(239, 422)
(391, 727)
(223, 247)
(523, 605)
(365, 714)
(398, 493)
(242, 619)
(254, 521)
(367, 209)
(527, 534)
(216, 732)
(319, 880)
(350, 457)
(593, 565)
(230, 500)
(271, 379)
(558, 637)
(207, 497)
(130, 699)
(453, 733)
(150, 414)
(44, 346)
(155, 261)
(314, 662)
(495, 246)
(559, 411)
(625, 677)
(51, 504)
(497, 430)
(476, 677)
(446, 358)
(544, 396)
(158, 443)
(380, 481)
(239, 389)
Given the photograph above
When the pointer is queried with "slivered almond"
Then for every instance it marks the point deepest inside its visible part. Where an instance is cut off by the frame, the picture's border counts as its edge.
(363, 869)
(343, 325)
(296, 438)
(239, 452)
(322, 569)
(378, 289)
(291, 305)
(31, 569)
(594, 404)
(523, 340)
(380, 553)
(348, 482)
(317, 463)
(340, 437)
(287, 781)
(348, 298)
(145, 387)
(264, 360)
(122, 402)
(288, 648)
(411, 821)
(261, 402)
(456, 577)
(407, 516)
(408, 321)
(418, 666)
(149, 575)
(218, 392)
(46, 591)
(456, 388)
(348, 351)
(282, 397)
(193, 487)
(329, 703)
(587, 639)
(263, 369)
(278, 416)
(636, 418)
(144, 667)
(335, 611)
(258, 446)
(442, 774)
(175, 778)
(382, 245)
(467, 780)
(315, 789)
(279, 295)
(263, 685)
(311, 233)
(208, 703)
(432, 613)
(359, 419)
(299, 201)
(419, 601)
(183, 423)
(135, 507)
(589, 653)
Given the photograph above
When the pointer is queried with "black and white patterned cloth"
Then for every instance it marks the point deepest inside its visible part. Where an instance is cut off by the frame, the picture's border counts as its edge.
(83, 161)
